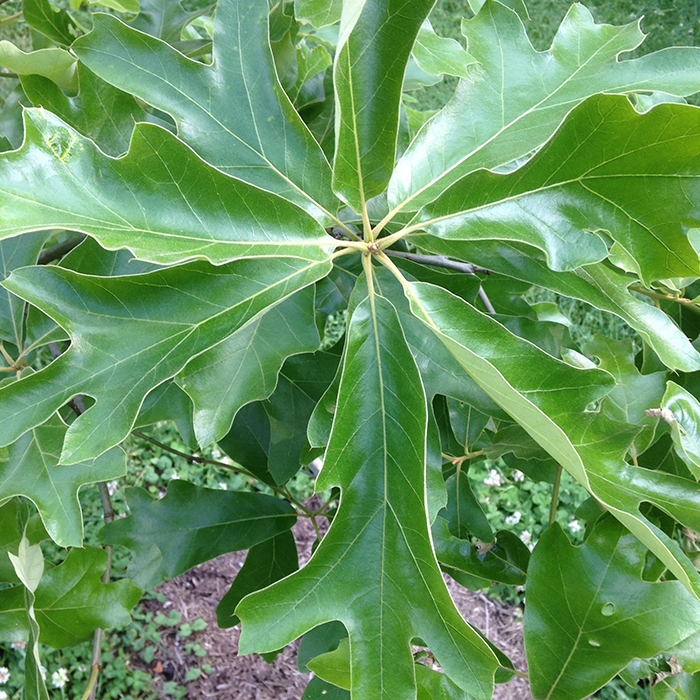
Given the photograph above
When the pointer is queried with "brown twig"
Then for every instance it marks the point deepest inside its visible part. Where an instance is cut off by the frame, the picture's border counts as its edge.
(55, 252)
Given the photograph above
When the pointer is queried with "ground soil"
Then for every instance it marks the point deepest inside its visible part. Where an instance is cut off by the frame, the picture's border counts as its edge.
(196, 594)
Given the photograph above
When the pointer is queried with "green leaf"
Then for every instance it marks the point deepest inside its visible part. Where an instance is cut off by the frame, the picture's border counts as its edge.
(334, 666)
(165, 19)
(439, 56)
(54, 63)
(373, 49)
(263, 141)
(270, 438)
(245, 367)
(379, 541)
(464, 514)
(99, 111)
(55, 24)
(14, 253)
(34, 686)
(506, 561)
(319, 640)
(607, 169)
(71, 602)
(265, 563)
(549, 399)
(521, 95)
(515, 5)
(318, 689)
(634, 392)
(165, 318)
(30, 467)
(11, 535)
(589, 613)
(440, 372)
(318, 13)
(128, 6)
(191, 525)
(160, 201)
(685, 428)
(601, 285)
(169, 402)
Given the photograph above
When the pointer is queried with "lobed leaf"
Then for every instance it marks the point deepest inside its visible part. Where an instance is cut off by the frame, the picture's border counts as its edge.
(378, 542)
(265, 563)
(589, 612)
(160, 201)
(99, 111)
(233, 113)
(549, 399)
(71, 602)
(600, 284)
(245, 366)
(191, 525)
(164, 319)
(522, 95)
(29, 468)
(607, 172)
(374, 45)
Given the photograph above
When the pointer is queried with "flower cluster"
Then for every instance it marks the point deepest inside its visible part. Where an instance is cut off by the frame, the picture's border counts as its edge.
(59, 678)
(514, 519)
(493, 479)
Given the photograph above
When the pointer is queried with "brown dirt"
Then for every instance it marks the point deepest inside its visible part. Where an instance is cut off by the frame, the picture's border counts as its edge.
(196, 594)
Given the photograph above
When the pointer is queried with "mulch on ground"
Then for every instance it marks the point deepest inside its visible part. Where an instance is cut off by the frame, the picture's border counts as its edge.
(196, 594)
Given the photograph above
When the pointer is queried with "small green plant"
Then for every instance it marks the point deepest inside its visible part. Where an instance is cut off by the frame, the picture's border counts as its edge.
(239, 221)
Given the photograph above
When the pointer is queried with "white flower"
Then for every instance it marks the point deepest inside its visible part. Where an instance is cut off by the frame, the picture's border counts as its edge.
(575, 526)
(4, 675)
(59, 678)
(226, 459)
(174, 476)
(525, 536)
(493, 479)
(223, 485)
(43, 672)
(518, 475)
(216, 454)
(112, 487)
(531, 546)
(514, 519)
(3, 695)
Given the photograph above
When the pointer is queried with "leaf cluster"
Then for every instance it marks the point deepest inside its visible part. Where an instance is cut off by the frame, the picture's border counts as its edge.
(191, 197)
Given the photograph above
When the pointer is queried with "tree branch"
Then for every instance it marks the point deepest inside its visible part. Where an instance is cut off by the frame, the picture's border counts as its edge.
(439, 261)
(57, 251)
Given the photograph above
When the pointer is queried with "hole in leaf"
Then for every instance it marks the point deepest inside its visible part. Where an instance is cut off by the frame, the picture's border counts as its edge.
(608, 609)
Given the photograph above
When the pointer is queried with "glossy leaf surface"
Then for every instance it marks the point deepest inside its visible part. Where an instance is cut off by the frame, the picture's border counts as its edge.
(246, 365)
(587, 179)
(142, 201)
(374, 45)
(265, 563)
(166, 317)
(549, 401)
(380, 534)
(585, 625)
(521, 96)
(234, 112)
(30, 467)
(601, 285)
